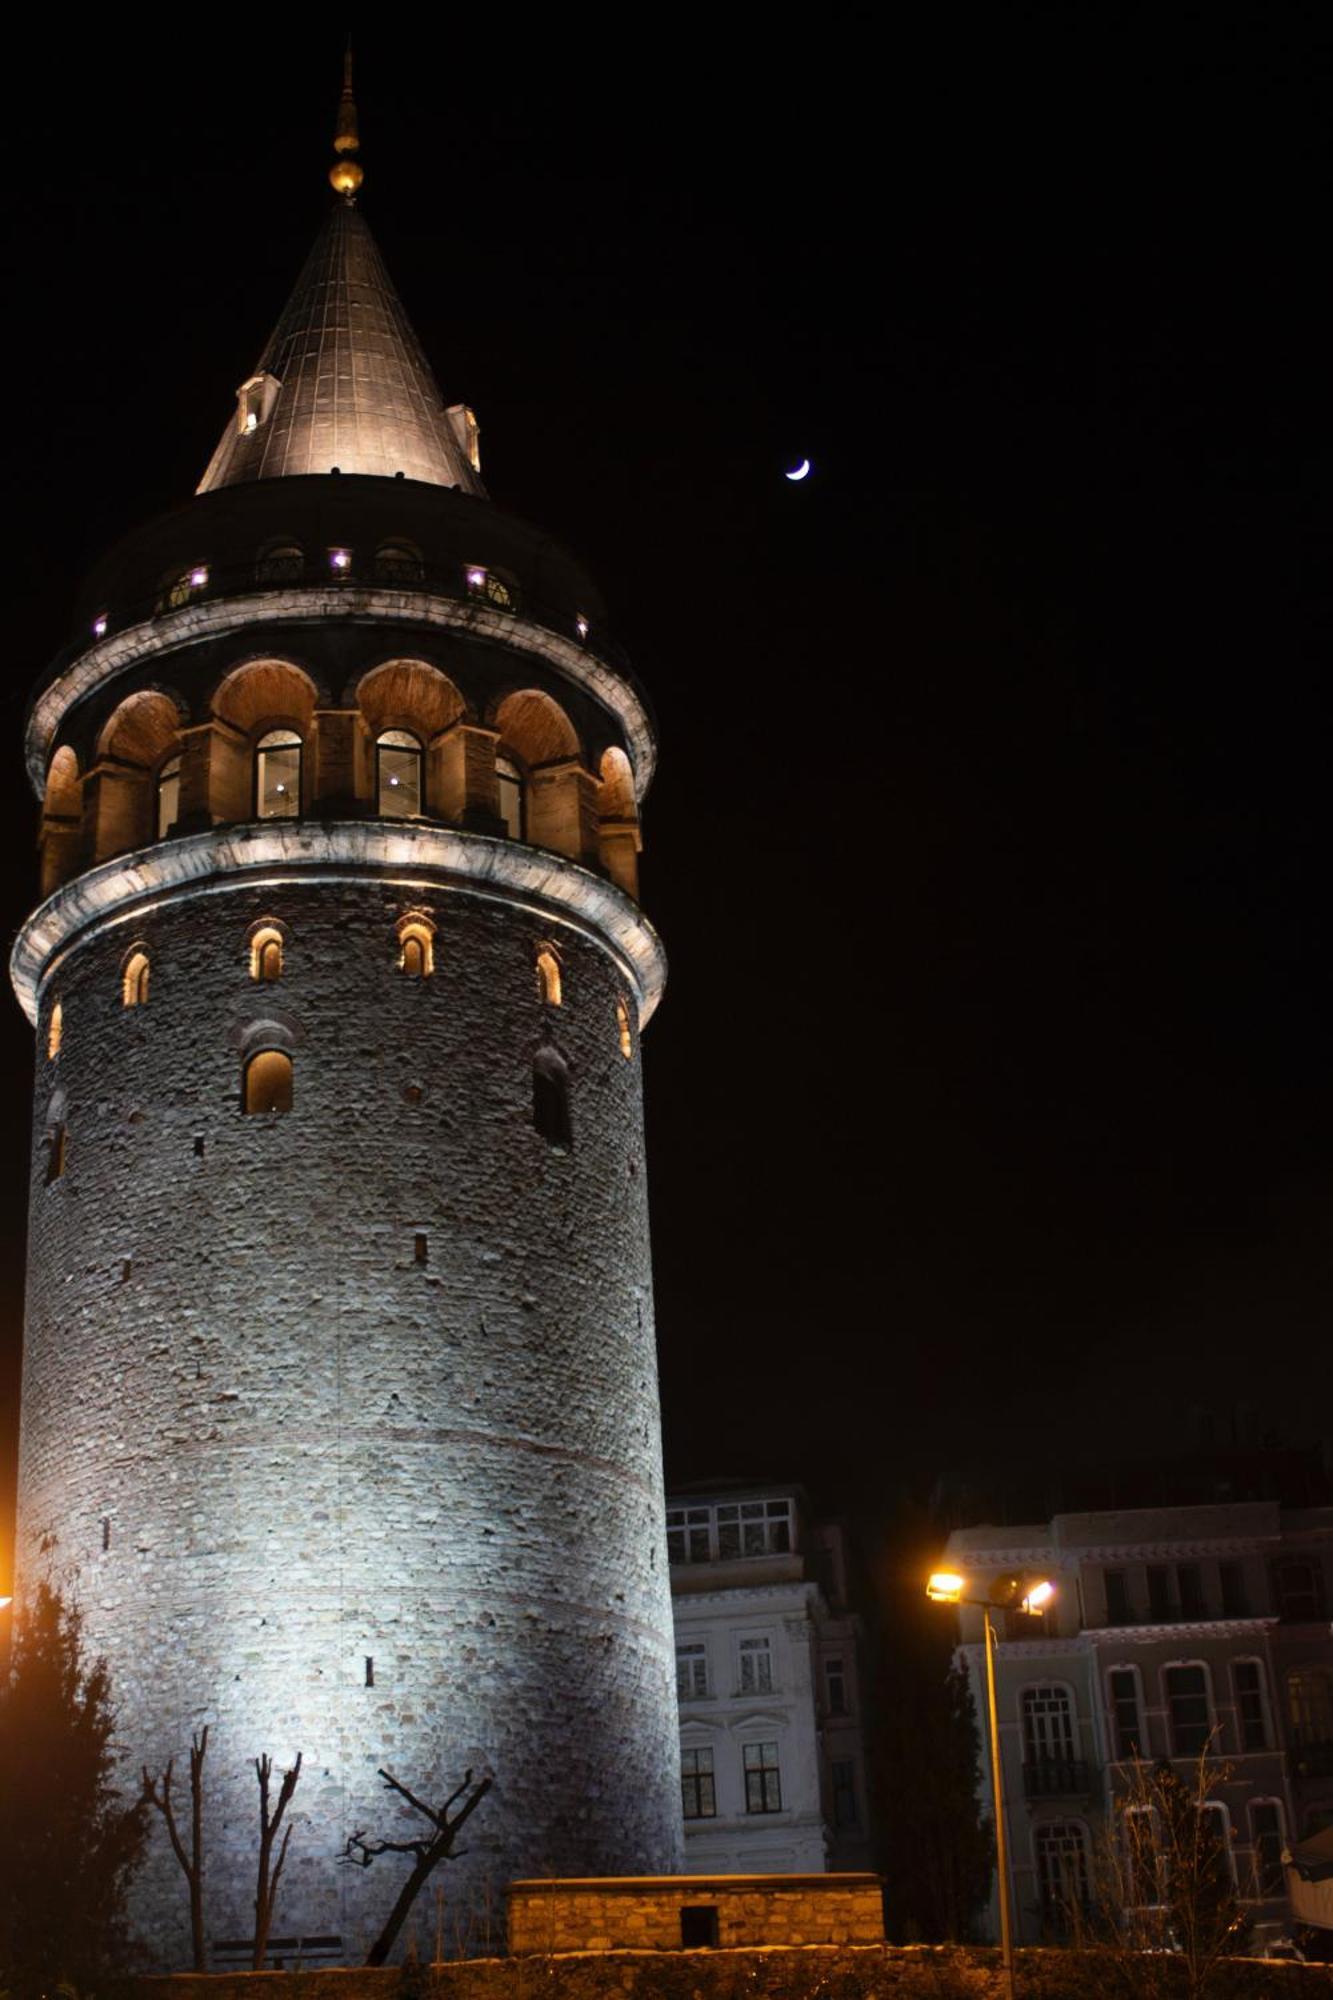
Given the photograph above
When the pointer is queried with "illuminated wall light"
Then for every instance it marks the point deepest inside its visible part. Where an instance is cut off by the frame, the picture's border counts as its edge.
(198, 576)
(475, 579)
(252, 420)
(99, 625)
(340, 558)
(581, 626)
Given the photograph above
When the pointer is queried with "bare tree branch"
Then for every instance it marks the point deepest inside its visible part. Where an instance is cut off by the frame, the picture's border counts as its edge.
(192, 1864)
(429, 1853)
(266, 1887)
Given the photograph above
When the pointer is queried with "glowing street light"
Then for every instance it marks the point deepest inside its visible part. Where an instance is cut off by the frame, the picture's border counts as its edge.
(1009, 1593)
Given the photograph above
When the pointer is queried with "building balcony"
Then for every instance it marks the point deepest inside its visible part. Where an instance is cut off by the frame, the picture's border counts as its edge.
(1058, 1778)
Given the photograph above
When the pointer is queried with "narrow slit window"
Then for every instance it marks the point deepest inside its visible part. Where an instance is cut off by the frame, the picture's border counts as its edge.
(550, 1099)
(55, 1029)
(55, 1153)
(399, 765)
(370, 1671)
(548, 977)
(134, 980)
(126, 1270)
(278, 775)
(624, 1033)
(268, 1081)
(168, 796)
(416, 948)
(199, 1145)
(266, 953)
(509, 787)
(420, 1248)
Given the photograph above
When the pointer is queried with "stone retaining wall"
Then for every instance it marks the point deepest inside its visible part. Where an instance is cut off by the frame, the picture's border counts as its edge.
(648, 1912)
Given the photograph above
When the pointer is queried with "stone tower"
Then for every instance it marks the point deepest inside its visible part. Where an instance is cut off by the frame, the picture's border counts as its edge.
(340, 1410)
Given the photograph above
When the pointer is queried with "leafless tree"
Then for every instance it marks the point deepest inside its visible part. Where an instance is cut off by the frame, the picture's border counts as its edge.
(430, 1850)
(270, 1872)
(159, 1795)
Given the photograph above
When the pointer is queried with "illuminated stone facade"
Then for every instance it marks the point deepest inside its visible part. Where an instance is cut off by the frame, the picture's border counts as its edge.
(342, 1420)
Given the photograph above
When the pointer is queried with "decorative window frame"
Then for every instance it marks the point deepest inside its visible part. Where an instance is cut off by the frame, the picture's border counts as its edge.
(1210, 1696)
(1265, 1703)
(418, 926)
(550, 974)
(1112, 1743)
(266, 931)
(136, 975)
(1068, 1689)
(1260, 1894)
(1085, 1832)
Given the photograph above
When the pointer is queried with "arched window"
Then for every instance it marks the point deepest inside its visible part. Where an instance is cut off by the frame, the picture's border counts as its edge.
(134, 980)
(624, 1033)
(399, 562)
(486, 584)
(1310, 1699)
(1060, 1848)
(278, 775)
(548, 977)
(550, 1099)
(55, 1029)
(183, 587)
(283, 563)
(509, 785)
(399, 764)
(416, 947)
(1048, 1740)
(168, 796)
(266, 953)
(268, 1081)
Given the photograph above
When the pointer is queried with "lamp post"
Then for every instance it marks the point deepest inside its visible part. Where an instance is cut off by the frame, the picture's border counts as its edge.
(1008, 1594)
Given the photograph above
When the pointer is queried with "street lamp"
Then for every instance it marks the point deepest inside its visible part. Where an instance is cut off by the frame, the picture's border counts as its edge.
(1007, 1593)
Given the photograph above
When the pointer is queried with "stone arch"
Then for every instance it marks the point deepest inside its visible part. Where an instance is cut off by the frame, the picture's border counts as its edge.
(139, 742)
(62, 820)
(251, 701)
(64, 799)
(416, 697)
(535, 729)
(618, 839)
(558, 803)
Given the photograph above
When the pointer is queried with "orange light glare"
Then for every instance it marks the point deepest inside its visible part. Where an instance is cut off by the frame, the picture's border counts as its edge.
(1038, 1598)
(944, 1587)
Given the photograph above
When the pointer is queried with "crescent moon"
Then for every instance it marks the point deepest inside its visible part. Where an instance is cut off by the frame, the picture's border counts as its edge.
(800, 471)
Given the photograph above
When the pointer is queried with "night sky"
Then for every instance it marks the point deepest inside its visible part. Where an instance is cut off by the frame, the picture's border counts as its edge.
(991, 1101)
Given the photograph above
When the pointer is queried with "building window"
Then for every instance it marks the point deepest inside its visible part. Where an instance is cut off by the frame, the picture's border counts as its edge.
(550, 1099)
(835, 1681)
(1300, 1592)
(182, 588)
(416, 947)
(1215, 1857)
(1247, 1678)
(1159, 1594)
(1310, 1700)
(168, 796)
(843, 1774)
(1126, 1725)
(1060, 1848)
(493, 589)
(284, 563)
(756, 1659)
(688, 1534)
(697, 1796)
(399, 563)
(268, 1081)
(1117, 1597)
(266, 953)
(753, 1528)
(1187, 1701)
(1266, 1839)
(1048, 1725)
(55, 1029)
(691, 1672)
(623, 1032)
(548, 977)
(1143, 1858)
(134, 980)
(55, 1152)
(1189, 1589)
(1232, 1579)
(509, 786)
(278, 775)
(763, 1782)
(399, 765)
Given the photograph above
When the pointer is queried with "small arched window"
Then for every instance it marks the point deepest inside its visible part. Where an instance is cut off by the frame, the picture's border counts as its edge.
(399, 763)
(484, 583)
(55, 1029)
(266, 953)
(550, 1099)
(509, 785)
(268, 1082)
(399, 562)
(134, 980)
(168, 795)
(1060, 1848)
(278, 775)
(548, 977)
(624, 1033)
(416, 948)
(283, 563)
(184, 587)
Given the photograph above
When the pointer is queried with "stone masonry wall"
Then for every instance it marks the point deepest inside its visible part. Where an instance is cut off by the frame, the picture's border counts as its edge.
(751, 1910)
(308, 1489)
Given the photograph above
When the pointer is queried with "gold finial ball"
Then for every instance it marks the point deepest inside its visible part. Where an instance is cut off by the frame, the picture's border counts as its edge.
(345, 176)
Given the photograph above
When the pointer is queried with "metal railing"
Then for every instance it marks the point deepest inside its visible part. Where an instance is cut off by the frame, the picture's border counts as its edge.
(1057, 1778)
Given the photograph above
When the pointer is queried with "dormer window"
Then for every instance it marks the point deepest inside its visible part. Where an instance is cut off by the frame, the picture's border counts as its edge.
(182, 588)
(254, 403)
(467, 433)
(484, 583)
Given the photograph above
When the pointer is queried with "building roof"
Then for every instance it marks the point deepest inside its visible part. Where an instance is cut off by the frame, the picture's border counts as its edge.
(343, 384)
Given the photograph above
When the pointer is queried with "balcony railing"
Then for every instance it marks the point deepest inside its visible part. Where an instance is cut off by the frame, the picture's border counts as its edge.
(1057, 1778)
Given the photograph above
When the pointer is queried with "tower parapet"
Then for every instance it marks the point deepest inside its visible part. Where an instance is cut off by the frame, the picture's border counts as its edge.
(340, 1404)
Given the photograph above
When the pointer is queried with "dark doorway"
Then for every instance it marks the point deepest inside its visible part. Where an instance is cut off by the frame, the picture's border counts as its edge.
(698, 1925)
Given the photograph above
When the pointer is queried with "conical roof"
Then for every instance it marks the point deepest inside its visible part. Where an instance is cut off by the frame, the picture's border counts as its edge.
(343, 382)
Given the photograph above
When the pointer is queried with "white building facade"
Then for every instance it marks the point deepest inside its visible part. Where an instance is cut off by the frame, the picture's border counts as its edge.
(768, 1676)
(1175, 1633)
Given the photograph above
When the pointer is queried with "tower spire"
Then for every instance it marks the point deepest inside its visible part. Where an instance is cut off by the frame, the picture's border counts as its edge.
(346, 174)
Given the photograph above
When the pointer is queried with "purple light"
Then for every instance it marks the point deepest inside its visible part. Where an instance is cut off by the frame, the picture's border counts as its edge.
(99, 626)
(340, 558)
(198, 577)
(476, 578)
(581, 627)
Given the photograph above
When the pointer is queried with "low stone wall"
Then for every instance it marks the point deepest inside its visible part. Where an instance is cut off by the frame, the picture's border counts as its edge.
(668, 1912)
(813, 1972)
